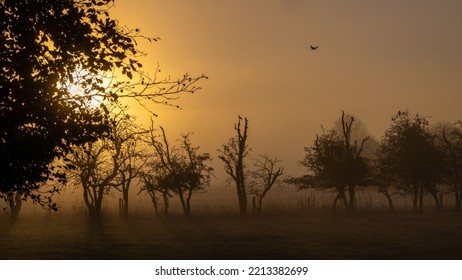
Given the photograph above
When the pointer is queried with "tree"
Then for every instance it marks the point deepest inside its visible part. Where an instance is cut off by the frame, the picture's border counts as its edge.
(233, 155)
(449, 138)
(131, 162)
(336, 161)
(408, 151)
(46, 49)
(383, 178)
(195, 172)
(152, 185)
(178, 170)
(100, 167)
(265, 176)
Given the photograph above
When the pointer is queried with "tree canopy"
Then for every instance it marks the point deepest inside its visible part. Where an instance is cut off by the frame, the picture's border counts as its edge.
(336, 161)
(409, 152)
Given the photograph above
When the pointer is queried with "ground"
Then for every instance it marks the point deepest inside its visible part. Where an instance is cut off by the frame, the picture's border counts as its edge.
(289, 235)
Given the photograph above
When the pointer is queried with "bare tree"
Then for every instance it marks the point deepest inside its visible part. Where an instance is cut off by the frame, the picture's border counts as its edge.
(98, 167)
(233, 155)
(179, 170)
(131, 162)
(265, 176)
(152, 186)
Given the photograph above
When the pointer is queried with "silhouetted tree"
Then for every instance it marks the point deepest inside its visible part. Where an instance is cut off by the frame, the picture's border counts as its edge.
(266, 175)
(384, 179)
(449, 137)
(408, 150)
(336, 161)
(99, 166)
(196, 172)
(46, 49)
(178, 170)
(233, 155)
(152, 185)
(131, 162)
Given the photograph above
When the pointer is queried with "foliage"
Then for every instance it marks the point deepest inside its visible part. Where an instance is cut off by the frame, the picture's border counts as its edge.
(46, 49)
(335, 161)
(408, 150)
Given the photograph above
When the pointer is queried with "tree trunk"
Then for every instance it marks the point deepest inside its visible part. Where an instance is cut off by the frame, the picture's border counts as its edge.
(242, 202)
(259, 205)
(15, 204)
(457, 193)
(188, 202)
(415, 196)
(438, 200)
(391, 207)
(340, 195)
(166, 204)
(155, 202)
(352, 202)
(421, 196)
(184, 205)
(125, 202)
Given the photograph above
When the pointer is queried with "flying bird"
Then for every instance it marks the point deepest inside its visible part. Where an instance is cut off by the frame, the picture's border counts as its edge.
(313, 47)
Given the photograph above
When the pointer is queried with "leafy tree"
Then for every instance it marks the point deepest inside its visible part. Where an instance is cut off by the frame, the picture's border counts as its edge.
(233, 155)
(46, 49)
(408, 151)
(336, 161)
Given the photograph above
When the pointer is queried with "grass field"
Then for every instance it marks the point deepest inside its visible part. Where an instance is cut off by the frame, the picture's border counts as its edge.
(289, 235)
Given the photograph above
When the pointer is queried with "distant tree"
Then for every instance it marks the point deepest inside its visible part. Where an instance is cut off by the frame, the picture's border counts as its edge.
(14, 204)
(408, 151)
(178, 170)
(265, 176)
(152, 185)
(384, 179)
(131, 162)
(47, 49)
(449, 138)
(233, 155)
(100, 167)
(196, 172)
(336, 161)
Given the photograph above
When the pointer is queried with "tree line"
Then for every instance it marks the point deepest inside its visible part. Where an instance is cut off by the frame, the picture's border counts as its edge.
(144, 158)
(51, 137)
(412, 159)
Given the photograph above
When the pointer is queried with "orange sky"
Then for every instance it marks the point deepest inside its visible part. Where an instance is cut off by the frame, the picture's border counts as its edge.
(374, 58)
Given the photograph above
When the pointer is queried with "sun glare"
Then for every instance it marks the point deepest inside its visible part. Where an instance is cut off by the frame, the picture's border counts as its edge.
(87, 89)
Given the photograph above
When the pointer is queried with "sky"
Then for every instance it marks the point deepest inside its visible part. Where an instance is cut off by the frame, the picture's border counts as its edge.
(374, 58)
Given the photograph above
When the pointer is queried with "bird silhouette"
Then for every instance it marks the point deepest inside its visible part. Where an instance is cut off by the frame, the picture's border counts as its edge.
(313, 47)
